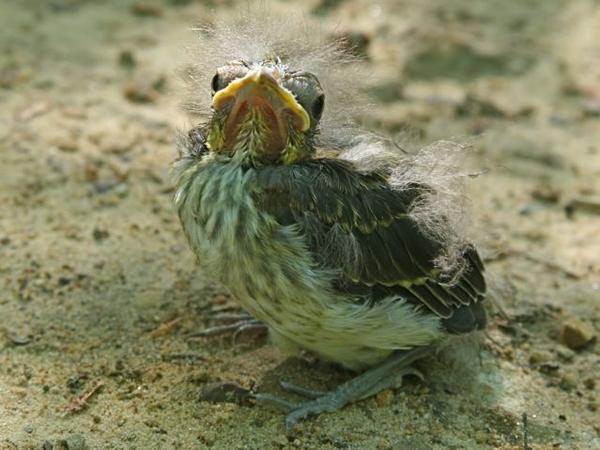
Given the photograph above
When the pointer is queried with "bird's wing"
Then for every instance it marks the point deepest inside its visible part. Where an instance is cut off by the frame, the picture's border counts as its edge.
(357, 224)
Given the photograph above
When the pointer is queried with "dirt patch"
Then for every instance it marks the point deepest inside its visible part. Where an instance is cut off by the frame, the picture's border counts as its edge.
(99, 292)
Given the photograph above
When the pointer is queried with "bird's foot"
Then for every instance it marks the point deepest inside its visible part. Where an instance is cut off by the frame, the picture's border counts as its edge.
(388, 374)
(240, 323)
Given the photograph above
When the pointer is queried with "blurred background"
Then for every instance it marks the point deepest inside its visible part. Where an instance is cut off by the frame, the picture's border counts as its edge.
(99, 294)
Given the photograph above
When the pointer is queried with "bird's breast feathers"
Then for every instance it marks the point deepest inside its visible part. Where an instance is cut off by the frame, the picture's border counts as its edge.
(270, 271)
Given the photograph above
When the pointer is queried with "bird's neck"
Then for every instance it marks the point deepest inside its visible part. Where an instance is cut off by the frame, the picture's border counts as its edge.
(254, 145)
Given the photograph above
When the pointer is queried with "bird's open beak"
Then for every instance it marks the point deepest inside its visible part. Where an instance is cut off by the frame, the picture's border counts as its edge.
(258, 96)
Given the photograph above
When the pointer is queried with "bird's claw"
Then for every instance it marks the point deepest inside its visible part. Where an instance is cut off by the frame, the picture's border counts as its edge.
(300, 390)
(389, 374)
(243, 323)
(408, 371)
(329, 402)
(246, 326)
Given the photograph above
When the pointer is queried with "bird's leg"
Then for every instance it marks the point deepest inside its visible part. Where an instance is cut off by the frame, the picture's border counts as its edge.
(242, 322)
(313, 393)
(301, 391)
(387, 374)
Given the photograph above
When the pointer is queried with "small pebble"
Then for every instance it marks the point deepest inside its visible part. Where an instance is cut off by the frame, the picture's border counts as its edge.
(74, 442)
(564, 353)
(117, 143)
(99, 235)
(121, 190)
(90, 171)
(127, 59)
(576, 334)
(146, 9)
(591, 107)
(546, 193)
(568, 381)
(119, 169)
(144, 91)
(225, 393)
(64, 140)
(279, 441)
(18, 339)
(539, 356)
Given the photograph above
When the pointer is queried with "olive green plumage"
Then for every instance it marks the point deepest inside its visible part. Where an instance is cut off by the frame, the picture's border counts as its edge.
(355, 225)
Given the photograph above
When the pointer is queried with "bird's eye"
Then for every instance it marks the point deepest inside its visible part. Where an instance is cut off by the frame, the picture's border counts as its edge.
(215, 83)
(317, 107)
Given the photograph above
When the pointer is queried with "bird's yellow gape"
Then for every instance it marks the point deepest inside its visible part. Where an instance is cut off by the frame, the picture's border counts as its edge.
(258, 96)
(260, 84)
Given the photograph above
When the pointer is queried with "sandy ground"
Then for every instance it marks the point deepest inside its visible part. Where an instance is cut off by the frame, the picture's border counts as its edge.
(99, 293)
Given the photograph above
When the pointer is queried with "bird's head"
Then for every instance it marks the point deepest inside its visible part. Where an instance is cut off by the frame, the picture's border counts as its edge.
(264, 111)
(257, 83)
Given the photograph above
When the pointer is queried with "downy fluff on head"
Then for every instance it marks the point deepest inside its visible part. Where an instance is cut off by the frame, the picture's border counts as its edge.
(255, 32)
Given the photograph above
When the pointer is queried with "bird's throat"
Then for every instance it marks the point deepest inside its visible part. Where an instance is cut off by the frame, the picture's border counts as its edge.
(253, 130)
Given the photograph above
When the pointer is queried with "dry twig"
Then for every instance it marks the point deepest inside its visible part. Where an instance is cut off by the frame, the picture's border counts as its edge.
(165, 328)
(525, 433)
(81, 402)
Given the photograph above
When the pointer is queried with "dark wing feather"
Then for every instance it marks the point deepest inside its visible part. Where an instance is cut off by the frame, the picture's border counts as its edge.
(340, 209)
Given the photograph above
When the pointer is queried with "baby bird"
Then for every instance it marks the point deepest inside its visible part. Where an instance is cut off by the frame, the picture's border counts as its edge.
(326, 251)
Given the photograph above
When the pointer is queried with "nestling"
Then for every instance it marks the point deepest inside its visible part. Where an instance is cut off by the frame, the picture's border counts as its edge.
(332, 253)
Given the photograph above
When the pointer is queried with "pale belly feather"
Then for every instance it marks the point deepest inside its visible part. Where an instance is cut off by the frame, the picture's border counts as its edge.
(271, 273)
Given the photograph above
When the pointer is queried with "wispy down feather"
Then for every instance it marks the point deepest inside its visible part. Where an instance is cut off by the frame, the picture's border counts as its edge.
(442, 213)
(255, 32)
